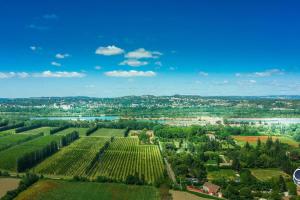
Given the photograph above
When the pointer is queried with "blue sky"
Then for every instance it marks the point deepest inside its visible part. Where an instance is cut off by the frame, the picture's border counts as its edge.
(117, 48)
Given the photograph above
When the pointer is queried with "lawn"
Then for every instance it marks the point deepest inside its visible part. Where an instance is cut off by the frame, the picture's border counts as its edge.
(57, 190)
(81, 131)
(253, 139)
(108, 132)
(267, 174)
(222, 173)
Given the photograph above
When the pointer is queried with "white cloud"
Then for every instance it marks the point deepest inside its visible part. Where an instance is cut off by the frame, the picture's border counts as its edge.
(252, 81)
(90, 86)
(59, 74)
(55, 64)
(98, 67)
(268, 73)
(133, 63)
(237, 74)
(131, 73)
(203, 73)
(37, 27)
(109, 50)
(33, 48)
(50, 16)
(6, 75)
(62, 55)
(158, 63)
(142, 53)
(225, 81)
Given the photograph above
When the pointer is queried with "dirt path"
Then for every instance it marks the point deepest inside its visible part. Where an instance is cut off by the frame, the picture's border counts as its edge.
(179, 195)
(170, 171)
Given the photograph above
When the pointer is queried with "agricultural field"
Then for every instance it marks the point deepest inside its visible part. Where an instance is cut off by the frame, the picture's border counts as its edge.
(109, 132)
(81, 131)
(8, 157)
(15, 139)
(241, 140)
(7, 184)
(45, 130)
(126, 157)
(57, 190)
(227, 174)
(74, 159)
(267, 174)
(7, 132)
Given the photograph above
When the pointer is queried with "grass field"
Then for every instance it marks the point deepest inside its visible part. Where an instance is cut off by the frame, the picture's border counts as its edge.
(126, 157)
(108, 132)
(267, 174)
(225, 173)
(8, 157)
(45, 130)
(7, 132)
(15, 139)
(253, 139)
(57, 190)
(74, 159)
(81, 131)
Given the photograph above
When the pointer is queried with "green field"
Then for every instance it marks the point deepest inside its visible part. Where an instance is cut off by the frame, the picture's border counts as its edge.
(45, 130)
(109, 132)
(15, 139)
(228, 174)
(126, 157)
(73, 159)
(57, 190)
(8, 157)
(7, 132)
(267, 174)
(81, 131)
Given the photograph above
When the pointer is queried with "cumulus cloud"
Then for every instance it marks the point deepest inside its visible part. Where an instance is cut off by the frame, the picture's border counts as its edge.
(62, 55)
(59, 74)
(6, 75)
(130, 73)
(268, 73)
(55, 64)
(133, 63)
(109, 50)
(203, 73)
(98, 67)
(142, 53)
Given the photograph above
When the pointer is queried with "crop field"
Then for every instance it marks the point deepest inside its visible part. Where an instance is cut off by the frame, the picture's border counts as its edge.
(57, 190)
(45, 130)
(8, 157)
(109, 132)
(253, 139)
(7, 184)
(7, 132)
(126, 157)
(228, 174)
(81, 131)
(11, 140)
(267, 174)
(74, 159)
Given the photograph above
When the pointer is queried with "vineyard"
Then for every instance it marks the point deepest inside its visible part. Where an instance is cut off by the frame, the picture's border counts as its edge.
(74, 159)
(109, 132)
(15, 139)
(81, 131)
(126, 157)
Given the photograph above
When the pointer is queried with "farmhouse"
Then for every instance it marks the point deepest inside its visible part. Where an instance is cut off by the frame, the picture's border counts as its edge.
(212, 189)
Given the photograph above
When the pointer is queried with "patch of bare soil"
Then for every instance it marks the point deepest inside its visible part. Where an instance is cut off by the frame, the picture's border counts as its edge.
(7, 184)
(179, 195)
